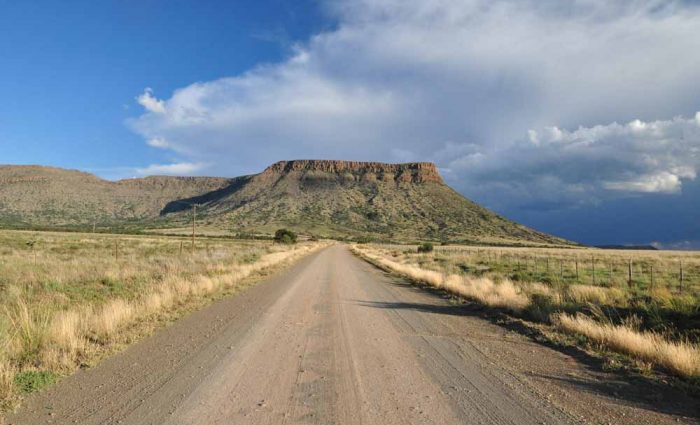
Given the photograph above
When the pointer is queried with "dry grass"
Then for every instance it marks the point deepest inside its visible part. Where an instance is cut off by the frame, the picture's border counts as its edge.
(79, 296)
(503, 294)
(596, 295)
(547, 302)
(7, 385)
(651, 271)
(679, 357)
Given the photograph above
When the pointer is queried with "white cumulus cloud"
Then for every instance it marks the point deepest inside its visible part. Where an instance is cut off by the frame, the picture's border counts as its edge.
(462, 82)
(588, 164)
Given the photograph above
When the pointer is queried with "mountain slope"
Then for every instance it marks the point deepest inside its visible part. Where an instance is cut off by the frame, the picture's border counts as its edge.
(341, 198)
(324, 198)
(45, 196)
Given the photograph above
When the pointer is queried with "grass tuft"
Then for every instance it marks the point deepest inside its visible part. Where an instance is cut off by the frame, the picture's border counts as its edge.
(32, 380)
(679, 357)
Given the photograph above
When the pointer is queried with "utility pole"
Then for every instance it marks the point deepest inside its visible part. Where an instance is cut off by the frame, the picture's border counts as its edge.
(194, 224)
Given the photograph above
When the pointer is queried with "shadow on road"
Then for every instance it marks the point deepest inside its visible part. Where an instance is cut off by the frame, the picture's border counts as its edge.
(621, 385)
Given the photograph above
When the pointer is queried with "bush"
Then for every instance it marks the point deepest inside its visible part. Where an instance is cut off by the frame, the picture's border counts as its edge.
(425, 247)
(285, 236)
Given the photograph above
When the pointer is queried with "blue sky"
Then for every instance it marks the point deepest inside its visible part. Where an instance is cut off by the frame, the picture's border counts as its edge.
(578, 117)
(71, 70)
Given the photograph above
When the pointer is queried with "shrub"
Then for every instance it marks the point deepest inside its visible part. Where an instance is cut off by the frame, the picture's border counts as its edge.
(285, 236)
(425, 247)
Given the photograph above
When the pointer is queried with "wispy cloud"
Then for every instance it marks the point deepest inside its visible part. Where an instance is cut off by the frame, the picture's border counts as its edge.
(178, 169)
(150, 103)
(158, 142)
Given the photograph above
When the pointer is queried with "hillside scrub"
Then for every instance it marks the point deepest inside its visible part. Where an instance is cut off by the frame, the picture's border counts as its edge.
(425, 247)
(611, 319)
(72, 304)
(285, 236)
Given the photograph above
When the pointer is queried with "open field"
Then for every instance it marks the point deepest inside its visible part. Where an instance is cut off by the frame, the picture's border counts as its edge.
(334, 340)
(67, 299)
(653, 317)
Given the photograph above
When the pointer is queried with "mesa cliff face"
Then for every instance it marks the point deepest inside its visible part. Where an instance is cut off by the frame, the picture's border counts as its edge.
(414, 172)
(401, 202)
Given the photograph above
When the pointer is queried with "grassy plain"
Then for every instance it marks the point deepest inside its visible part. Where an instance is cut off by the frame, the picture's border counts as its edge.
(652, 316)
(67, 299)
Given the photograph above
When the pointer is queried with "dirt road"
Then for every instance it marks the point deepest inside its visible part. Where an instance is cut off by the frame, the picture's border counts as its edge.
(335, 341)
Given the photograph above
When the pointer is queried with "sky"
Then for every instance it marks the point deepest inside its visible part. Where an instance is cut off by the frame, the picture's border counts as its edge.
(577, 117)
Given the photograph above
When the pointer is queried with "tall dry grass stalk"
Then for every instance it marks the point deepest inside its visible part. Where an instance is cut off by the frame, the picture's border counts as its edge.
(679, 357)
(7, 385)
(28, 328)
(595, 294)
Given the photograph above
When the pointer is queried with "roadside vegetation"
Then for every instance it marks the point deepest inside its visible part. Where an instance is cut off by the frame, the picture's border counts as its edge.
(67, 299)
(285, 236)
(644, 304)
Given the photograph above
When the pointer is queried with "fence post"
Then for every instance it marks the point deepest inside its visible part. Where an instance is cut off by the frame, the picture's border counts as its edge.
(651, 276)
(629, 273)
(576, 269)
(593, 269)
(561, 269)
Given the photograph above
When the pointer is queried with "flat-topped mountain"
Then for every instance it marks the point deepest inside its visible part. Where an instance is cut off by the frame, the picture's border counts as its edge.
(325, 198)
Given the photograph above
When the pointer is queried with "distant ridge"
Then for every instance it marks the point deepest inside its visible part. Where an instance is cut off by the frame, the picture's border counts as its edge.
(328, 198)
(629, 247)
(32, 195)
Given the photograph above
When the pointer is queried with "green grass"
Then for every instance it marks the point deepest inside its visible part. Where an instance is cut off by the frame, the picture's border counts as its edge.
(32, 381)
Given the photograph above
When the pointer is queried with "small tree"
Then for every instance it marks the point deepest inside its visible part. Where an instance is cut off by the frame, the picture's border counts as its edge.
(425, 247)
(285, 236)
